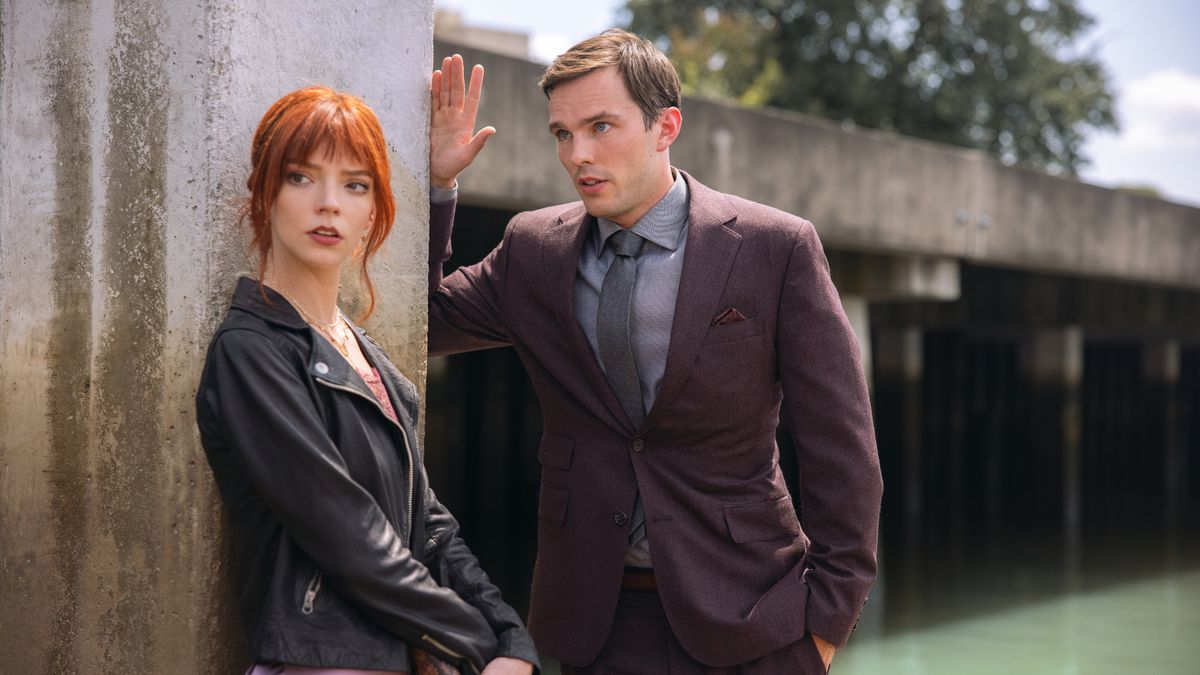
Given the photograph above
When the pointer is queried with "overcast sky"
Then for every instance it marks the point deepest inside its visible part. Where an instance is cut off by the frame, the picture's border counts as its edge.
(1149, 47)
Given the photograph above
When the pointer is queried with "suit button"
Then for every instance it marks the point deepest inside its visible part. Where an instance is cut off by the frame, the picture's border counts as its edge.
(619, 517)
(321, 368)
(638, 444)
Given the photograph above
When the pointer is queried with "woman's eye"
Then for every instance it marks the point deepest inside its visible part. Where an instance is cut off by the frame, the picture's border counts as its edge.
(359, 186)
(296, 178)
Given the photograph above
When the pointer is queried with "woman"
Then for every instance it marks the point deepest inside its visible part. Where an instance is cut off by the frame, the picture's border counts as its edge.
(345, 561)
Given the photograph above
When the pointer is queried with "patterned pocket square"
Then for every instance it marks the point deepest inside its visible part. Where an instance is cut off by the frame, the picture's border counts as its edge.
(730, 315)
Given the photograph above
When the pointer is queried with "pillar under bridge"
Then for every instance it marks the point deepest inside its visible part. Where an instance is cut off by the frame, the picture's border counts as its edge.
(125, 128)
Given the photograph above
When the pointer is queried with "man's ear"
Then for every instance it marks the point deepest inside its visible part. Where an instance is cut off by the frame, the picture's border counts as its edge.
(670, 123)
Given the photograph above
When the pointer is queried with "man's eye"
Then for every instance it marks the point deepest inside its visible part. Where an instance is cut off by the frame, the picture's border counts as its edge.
(562, 134)
(603, 126)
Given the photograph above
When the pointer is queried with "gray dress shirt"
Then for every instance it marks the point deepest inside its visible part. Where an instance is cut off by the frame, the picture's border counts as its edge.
(664, 227)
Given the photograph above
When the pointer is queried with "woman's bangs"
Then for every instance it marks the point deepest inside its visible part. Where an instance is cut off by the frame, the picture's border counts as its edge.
(331, 130)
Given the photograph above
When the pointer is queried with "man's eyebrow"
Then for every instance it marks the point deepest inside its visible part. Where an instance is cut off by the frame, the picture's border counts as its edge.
(602, 115)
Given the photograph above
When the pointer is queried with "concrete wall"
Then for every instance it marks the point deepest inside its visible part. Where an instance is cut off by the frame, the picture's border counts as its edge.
(124, 138)
(865, 190)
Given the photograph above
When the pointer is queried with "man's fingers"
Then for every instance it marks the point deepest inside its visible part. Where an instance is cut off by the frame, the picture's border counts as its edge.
(474, 92)
(444, 92)
(435, 89)
(479, 140)
(457, 81)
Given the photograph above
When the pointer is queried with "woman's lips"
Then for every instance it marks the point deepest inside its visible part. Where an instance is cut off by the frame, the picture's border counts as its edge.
(325, 237)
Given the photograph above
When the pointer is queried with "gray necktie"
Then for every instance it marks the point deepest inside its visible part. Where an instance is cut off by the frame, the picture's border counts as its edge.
(616, 349)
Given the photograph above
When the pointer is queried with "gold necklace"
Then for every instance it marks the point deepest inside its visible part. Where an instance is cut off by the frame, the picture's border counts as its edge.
(340, 340)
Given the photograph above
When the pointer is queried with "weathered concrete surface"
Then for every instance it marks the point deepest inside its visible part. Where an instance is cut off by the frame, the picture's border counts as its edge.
(124, 143)
(864, 190)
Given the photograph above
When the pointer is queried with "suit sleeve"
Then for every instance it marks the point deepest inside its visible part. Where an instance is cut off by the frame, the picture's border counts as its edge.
(829, 413)
(465, 308)
(288, 456)
(459, 569)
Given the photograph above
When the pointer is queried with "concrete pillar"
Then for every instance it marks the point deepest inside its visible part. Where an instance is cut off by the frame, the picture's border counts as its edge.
(124, 138)
(857, 311)
(900, 363)
(1160, 372)
(899, 366)
(857, 308)
(1056, 369)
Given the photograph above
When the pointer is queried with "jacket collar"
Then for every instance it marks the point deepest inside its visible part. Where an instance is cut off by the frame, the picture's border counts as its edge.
(264, 302)
(712, 247)
(324, 362)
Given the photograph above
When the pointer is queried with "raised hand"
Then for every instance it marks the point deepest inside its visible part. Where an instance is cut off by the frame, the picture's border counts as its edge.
(453, 141)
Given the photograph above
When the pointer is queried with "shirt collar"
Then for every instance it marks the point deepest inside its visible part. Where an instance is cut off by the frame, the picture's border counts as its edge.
(661, 225)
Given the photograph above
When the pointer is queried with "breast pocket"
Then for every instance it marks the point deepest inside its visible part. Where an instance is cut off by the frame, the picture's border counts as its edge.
(732, 332)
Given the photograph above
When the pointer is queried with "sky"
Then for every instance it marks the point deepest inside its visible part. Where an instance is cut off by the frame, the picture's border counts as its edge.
(1148, 46)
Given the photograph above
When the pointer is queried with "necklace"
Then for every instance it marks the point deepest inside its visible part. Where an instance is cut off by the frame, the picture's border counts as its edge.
(336, 331)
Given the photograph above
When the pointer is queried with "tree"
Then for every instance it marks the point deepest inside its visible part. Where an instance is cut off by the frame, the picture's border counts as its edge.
(1005, 76)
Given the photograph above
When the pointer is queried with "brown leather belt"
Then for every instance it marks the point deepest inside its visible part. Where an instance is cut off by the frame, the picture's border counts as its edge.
(638, 579)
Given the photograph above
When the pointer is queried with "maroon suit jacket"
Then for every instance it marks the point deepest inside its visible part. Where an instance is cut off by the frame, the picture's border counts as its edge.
(739, 574)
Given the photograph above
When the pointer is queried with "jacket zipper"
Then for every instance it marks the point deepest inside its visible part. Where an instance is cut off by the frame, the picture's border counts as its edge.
(403, 434)
(310, 595)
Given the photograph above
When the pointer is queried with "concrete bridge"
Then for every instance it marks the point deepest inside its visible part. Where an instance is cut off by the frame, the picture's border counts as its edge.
(1034, 340)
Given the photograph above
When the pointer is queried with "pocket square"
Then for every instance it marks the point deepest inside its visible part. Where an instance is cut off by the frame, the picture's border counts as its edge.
(730, 315)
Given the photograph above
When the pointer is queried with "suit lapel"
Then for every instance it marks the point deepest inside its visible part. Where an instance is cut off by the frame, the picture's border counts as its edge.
(711, 249)
(562, 247)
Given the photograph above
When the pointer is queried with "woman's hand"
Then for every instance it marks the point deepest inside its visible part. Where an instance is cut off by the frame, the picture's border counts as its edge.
(508, 666)
(453, 142)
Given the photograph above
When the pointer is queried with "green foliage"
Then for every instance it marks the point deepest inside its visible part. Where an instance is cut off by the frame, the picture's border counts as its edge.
(1001, 75)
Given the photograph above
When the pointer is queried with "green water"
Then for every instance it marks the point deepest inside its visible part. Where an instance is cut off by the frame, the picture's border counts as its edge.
(1002, 604)
(1147, 626)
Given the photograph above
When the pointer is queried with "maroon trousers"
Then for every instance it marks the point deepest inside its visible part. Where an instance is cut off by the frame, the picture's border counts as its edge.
(641, 643)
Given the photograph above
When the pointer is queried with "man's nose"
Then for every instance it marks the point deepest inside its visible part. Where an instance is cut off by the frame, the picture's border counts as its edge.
(581, 152)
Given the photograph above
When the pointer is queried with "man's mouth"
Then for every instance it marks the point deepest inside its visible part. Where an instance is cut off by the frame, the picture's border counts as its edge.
(590, 184)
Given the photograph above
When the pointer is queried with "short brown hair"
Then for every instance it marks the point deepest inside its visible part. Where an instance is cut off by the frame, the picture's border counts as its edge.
(648, 73)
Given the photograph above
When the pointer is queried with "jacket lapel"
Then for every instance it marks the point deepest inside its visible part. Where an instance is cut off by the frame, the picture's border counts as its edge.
(400, 390)
(562, 247)
(712, 246)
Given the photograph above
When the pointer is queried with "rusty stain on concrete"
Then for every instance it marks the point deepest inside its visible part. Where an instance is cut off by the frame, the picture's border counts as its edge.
(129, 377)
(70, 334)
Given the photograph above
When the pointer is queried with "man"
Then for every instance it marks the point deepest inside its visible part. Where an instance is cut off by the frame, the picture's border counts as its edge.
(666, 327)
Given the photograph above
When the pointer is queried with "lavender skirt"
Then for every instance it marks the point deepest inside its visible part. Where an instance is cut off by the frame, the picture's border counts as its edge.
(287, 669)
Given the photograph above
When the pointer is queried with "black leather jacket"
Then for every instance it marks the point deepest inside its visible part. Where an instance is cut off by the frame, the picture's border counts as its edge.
(320, 486)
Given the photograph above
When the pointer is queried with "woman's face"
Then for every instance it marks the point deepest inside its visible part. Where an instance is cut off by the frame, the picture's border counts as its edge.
(322, 212)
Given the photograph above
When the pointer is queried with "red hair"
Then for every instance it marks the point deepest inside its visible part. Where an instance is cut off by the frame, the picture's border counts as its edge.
(296, 126)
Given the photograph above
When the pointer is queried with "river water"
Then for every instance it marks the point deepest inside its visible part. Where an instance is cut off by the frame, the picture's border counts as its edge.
(1112, 603)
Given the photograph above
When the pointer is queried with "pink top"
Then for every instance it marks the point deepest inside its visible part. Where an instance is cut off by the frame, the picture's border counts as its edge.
(375, 382)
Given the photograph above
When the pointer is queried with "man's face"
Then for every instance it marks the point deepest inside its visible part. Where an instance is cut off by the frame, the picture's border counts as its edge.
(619, 168)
